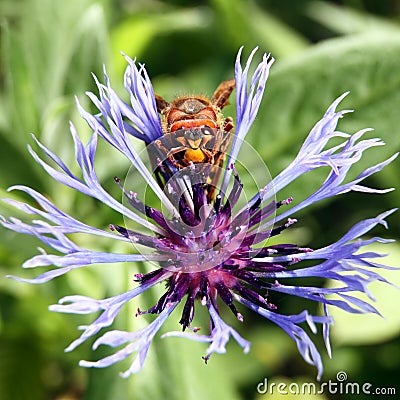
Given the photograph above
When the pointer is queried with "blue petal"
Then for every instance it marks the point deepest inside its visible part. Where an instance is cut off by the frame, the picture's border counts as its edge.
(141, 341)
(248, 100)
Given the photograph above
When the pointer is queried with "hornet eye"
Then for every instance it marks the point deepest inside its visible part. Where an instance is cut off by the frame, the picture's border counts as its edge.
(207, 131)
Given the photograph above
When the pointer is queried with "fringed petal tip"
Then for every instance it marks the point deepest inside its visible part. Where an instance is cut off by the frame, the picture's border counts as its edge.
(332, 108)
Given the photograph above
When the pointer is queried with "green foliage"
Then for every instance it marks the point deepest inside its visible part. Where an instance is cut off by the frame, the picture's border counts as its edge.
(48, 51)
(302, 88)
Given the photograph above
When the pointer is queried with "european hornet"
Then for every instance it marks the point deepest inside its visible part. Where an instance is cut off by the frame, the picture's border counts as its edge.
(195, 131)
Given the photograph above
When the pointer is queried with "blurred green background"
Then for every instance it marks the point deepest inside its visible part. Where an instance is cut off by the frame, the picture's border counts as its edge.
(49, 48)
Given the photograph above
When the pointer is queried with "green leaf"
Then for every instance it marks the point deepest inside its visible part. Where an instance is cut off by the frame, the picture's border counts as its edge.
(299, 91)
(346, 20)
(244, 23)
(136, 33)
(45, 58)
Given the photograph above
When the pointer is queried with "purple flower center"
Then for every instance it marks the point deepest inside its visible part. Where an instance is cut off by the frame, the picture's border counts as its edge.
(209, 247)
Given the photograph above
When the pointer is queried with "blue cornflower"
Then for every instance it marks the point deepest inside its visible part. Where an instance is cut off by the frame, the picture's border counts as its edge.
(213, 255)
